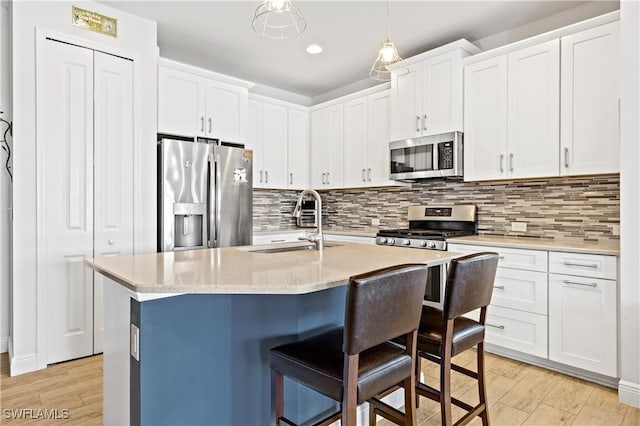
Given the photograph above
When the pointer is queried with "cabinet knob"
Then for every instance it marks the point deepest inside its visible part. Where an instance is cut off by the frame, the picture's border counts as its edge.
(111, 242)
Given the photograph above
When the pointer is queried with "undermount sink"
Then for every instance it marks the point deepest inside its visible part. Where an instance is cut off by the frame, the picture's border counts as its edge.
(285, 247)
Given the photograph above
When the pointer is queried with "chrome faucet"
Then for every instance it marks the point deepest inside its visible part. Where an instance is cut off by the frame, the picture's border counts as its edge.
(318, 237)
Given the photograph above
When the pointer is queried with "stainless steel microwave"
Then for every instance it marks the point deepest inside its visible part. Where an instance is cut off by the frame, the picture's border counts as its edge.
(426, 157)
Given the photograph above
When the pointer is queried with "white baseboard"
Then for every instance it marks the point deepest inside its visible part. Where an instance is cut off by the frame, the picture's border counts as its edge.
(629, 393)
(4, 344)
(21, 364)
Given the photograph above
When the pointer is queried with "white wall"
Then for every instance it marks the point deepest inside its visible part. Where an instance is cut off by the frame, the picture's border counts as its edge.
(629, 388)
(5, 183)
(135, 35)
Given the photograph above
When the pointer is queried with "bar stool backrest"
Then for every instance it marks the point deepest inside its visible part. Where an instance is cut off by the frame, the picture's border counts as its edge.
(469, 283)
(382, 305)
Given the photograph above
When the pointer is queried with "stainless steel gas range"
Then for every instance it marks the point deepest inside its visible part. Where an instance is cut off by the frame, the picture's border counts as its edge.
(429, 228)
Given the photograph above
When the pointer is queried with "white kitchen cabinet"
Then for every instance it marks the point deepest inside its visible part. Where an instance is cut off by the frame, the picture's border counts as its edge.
(268, 127)
(379, 127)
(298, 149)
(327, 144)
(85, 196)
(485, 119)
(517, 317)
(356, 143)
(582, 311)
(192, 105)
(426, 92)
(512, 114)
(590, 135)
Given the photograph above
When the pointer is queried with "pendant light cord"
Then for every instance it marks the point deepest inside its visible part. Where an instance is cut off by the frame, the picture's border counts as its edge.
(388, 18)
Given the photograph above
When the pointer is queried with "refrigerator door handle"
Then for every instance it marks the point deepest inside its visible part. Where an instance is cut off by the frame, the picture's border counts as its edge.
(218, 181)
(210, 203)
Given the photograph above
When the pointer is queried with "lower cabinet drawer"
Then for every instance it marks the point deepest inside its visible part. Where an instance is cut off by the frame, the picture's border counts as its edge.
(517, 330)
(521, 290)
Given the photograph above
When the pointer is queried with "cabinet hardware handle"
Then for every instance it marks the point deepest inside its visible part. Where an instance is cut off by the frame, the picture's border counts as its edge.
(501, 163)
(111, 242)
(418, 123)
(499, 287)
(323, 178)
(583, 284)
(266, 176)
(327, 178)
(584, 265)
(511, 162)
(566, 158)
(369, 175)
(210, 124)
(202, 123)
(364, 179)
(424, 122)
(500, 257)
(260, 176)
(501, 327)
(278, 241)
(290, 178)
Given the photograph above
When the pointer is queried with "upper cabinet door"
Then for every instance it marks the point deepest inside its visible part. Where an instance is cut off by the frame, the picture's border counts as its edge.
(319, 151)
(590, 102)
(534, 111)
(298, 150)
(379, 105)
(254, 140)
(335, 146)
(226, 111)
(441, 95)
(485, 119)
(355, 142)
(406, 99)
(181, 103)
(274, 146)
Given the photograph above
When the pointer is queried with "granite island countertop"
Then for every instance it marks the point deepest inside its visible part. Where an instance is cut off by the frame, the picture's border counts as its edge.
(235, 270)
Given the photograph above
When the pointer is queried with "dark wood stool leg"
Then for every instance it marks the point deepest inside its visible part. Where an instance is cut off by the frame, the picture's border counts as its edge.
(350, 392)
(482, 385)
(372, 416)
(410, 415)
(277, 397)
(418, 371)
(445, 375)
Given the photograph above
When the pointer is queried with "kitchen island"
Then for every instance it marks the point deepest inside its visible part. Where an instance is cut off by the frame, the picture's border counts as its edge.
(187, 333)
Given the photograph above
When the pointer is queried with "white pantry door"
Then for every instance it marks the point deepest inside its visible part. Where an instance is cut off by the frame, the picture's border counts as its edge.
(113, 170)
(65, 196)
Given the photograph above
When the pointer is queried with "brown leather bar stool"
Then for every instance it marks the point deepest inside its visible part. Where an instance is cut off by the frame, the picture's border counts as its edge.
(444, 334)
(355, 363)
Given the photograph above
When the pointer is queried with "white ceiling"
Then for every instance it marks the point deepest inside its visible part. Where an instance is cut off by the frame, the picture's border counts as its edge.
(217, 35)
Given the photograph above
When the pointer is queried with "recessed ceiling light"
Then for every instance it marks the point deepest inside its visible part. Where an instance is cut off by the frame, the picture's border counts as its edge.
(314, 49)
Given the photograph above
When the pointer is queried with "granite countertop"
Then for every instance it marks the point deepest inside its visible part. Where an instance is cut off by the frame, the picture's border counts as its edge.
(588, 247)
(365, 232)
(234, 270)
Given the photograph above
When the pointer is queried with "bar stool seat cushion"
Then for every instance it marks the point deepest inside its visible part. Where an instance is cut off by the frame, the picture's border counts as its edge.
(318, 362)
(466, 332)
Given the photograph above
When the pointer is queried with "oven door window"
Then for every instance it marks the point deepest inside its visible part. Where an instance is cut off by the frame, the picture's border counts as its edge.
(412, 159)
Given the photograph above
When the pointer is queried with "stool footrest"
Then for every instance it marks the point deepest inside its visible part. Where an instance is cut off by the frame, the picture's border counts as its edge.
(377, 407)
(433, 394)
(455, 367)
(467, 418)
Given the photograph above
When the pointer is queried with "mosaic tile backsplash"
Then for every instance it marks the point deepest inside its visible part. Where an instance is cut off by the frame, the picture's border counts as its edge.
(572, 208)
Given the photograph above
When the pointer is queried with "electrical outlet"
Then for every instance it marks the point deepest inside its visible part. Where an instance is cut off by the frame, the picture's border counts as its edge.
(375, 222)
(519, 226)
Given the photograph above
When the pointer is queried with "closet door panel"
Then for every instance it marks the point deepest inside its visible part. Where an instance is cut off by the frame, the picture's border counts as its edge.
(65, 198)
(113, 145)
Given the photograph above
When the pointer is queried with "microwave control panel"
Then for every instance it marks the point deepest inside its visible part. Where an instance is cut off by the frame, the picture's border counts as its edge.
(445, 155)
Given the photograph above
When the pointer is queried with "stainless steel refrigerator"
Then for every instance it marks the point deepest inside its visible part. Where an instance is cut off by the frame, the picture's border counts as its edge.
(205, 195)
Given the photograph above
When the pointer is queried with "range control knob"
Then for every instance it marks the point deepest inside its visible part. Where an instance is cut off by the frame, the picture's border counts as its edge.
(406, 242)
(423, 243)
(382, 240)
(431, 244)
(391, 241)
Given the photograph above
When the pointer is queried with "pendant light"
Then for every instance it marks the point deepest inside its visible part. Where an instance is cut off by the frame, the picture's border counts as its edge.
(387, 55)
(278, 19)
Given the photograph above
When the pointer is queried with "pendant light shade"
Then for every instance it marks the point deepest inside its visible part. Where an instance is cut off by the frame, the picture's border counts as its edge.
(278, 19)
(387, 55)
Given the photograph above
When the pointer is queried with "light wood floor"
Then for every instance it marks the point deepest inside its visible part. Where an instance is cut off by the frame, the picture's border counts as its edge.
(519, 394)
